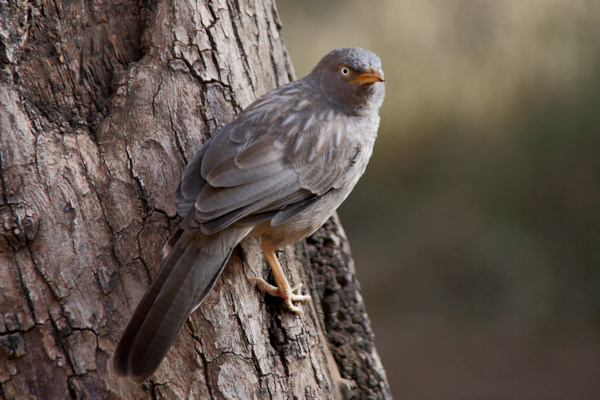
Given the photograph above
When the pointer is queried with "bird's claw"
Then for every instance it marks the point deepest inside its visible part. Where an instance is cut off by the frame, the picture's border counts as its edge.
(288, 295)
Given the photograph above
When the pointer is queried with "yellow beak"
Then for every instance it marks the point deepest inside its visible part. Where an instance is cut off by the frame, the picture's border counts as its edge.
(376, 75)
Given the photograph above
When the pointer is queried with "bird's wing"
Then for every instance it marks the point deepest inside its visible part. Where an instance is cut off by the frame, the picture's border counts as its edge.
(274, 160)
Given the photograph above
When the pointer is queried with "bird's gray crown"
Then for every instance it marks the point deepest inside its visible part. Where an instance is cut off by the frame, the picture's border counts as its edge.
(354, 57)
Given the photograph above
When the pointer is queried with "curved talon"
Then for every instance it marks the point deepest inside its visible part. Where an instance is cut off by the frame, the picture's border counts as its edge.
(283, 288)
(295, 309)
(288, 296)
(265, 286)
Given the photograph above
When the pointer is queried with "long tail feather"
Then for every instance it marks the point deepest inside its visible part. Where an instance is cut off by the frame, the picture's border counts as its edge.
(188, 274)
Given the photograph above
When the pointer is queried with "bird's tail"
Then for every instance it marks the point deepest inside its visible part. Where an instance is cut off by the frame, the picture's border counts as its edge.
(189, 272)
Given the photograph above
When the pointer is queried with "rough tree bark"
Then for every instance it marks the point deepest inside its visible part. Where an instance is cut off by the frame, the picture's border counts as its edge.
(101, 106)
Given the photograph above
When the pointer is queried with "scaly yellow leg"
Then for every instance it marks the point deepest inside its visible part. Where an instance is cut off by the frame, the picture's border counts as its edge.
(283, 288)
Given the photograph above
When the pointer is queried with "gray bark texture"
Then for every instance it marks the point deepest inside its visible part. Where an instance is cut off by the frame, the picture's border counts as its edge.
(101, 106)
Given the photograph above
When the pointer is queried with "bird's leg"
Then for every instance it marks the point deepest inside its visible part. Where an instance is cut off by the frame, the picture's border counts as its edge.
(283, 288)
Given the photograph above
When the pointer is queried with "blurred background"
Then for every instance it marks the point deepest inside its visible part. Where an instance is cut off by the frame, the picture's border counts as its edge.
(476, 229)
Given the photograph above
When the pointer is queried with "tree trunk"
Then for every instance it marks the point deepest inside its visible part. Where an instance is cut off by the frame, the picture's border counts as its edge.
(101, 107)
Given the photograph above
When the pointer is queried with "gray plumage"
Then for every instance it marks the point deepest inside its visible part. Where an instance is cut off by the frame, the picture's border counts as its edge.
(278, 171)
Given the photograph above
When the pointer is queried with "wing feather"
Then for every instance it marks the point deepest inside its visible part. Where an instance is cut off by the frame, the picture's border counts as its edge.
(257, 168)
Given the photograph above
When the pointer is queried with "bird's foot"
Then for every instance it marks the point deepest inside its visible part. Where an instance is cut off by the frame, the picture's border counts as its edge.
(287, 295)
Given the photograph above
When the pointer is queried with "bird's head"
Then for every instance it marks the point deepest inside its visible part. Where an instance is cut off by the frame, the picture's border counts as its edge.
(352, 78)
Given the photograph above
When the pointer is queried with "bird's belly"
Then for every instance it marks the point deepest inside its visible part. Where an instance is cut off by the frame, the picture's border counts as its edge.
(302, 225)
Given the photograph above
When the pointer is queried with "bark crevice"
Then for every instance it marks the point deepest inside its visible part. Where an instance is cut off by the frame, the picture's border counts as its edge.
(102, 107)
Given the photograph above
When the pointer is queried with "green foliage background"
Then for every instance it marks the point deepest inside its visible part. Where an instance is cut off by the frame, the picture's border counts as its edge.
(476, 229)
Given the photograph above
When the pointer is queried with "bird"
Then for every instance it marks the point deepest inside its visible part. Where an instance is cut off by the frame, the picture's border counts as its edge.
(277, 171)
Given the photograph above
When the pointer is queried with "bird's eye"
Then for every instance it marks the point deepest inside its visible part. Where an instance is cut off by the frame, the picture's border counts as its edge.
(345, 72)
